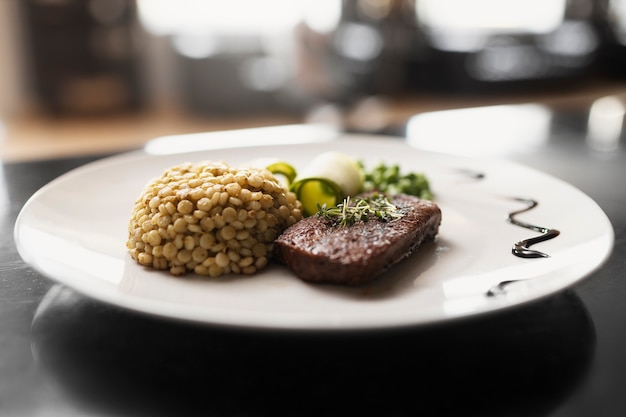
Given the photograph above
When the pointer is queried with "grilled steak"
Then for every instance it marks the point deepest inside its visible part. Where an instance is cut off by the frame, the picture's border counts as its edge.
(318, 250)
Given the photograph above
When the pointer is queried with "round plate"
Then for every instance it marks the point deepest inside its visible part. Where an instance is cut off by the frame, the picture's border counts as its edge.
(74, 231)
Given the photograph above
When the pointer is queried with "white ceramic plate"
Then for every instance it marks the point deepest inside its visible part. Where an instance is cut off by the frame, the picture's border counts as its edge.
(74, 230)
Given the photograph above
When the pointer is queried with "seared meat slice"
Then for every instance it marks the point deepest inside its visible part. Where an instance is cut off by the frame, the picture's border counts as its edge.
(318, 250)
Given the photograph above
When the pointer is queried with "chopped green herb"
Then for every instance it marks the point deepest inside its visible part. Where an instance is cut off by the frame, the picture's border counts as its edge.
(360, 209)
(390, 180)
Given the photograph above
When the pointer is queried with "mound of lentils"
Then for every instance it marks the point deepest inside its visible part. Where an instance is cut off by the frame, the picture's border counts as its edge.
(210, 218)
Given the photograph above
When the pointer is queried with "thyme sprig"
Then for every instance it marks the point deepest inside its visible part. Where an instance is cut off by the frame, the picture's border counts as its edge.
(358, 209)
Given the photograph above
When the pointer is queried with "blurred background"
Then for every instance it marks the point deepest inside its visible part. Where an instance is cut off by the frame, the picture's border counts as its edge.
(81, 76)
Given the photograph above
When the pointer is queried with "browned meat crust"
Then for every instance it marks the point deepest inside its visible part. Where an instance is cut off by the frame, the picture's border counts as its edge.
(319, 251)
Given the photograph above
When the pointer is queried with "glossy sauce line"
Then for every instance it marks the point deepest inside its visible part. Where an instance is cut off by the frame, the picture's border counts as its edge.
(521, 248)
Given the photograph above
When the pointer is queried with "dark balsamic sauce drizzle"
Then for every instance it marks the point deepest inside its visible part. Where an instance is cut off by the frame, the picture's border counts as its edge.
(522, 248)
(470, 173)
(499, 288)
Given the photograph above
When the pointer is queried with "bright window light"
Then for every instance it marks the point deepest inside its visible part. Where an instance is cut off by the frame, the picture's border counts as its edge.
(481, 131)
(232, 17)
(617, 9)
(466, 26)
(505, 16)
(321, 15)
(605, 124)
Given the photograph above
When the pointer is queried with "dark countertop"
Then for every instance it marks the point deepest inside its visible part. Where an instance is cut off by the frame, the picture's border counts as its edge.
(64, 354)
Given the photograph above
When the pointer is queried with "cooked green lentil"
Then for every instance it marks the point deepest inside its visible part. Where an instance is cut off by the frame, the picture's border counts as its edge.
(210, 218)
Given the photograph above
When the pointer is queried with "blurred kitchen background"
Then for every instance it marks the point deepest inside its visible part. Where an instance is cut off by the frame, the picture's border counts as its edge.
(89, 76)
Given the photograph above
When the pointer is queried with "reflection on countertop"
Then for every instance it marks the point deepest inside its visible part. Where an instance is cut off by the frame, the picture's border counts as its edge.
(525, 361)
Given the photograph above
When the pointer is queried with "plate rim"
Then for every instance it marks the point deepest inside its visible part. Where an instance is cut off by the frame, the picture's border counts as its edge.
(125, 300)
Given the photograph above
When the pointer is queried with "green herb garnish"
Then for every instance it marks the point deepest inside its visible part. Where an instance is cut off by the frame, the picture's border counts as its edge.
(351, 211)
(390, 180)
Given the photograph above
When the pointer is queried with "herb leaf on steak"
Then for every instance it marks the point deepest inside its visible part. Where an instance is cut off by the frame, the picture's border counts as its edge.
(360, 209)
